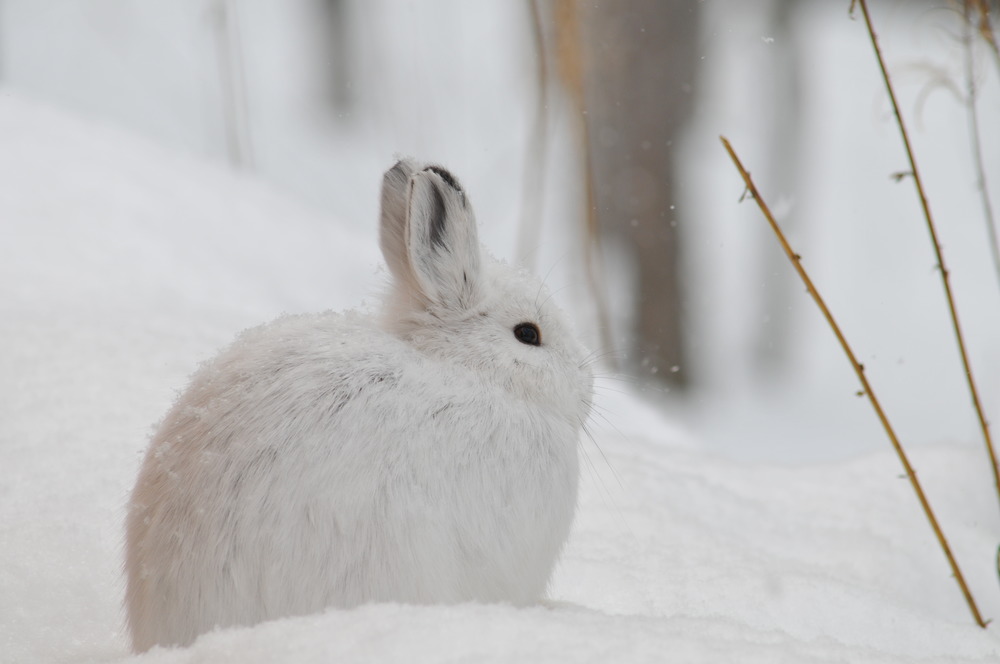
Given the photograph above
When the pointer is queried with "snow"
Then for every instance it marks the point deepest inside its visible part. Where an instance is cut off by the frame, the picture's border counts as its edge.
(123, 264)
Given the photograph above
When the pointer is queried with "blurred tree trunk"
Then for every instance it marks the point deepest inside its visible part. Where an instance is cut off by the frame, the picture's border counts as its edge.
(639, 62)
(232, 82)
(782, 89)
(336, 17)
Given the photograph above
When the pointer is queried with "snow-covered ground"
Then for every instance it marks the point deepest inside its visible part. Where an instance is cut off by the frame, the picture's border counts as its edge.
(123, 264)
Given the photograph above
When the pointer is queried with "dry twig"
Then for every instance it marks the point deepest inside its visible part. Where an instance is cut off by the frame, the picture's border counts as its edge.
(937, 247)
(866, 387)
(975, 137)
(985, 28)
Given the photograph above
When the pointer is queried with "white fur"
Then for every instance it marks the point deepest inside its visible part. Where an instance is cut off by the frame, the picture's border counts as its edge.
(335, 459)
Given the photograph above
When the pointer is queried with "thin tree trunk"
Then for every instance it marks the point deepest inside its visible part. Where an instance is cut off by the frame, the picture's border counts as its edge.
(640, 59)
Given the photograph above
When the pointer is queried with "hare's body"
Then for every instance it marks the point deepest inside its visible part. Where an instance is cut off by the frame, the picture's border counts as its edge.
(335, 459)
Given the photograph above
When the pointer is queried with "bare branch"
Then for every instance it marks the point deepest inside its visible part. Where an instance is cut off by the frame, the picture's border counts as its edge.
(918, 182)
(975, 136)
(860, 371)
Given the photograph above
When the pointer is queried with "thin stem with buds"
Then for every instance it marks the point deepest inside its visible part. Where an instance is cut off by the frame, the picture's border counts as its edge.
(860, 371)
(945, 277)
(974, 134)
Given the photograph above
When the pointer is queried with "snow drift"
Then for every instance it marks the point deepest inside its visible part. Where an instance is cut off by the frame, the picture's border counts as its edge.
(123, 265)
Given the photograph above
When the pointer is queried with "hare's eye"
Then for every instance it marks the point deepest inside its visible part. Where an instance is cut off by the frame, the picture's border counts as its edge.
(528, 333)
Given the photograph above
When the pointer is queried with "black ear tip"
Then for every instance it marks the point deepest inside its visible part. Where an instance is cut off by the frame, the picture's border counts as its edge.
(446, 176)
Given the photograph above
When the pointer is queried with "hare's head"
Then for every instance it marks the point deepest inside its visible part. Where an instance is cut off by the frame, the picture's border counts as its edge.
(456, 303)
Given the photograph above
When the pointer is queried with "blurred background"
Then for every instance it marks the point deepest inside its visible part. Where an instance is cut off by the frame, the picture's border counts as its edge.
(587, 135)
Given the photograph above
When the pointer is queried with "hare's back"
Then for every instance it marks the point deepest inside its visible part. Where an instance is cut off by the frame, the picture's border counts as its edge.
(259, 475)
(294, 381)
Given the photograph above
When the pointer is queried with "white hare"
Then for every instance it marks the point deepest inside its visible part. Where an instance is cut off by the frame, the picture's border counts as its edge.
(428, 455)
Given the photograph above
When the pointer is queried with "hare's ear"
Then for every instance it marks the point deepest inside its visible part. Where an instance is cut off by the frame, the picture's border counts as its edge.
(441, 240)
(392, 228)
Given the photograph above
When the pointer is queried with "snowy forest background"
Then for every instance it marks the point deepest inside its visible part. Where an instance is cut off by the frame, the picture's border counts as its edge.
(173, 172)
